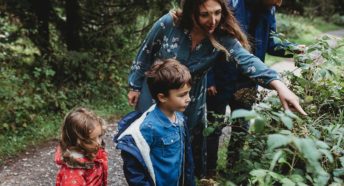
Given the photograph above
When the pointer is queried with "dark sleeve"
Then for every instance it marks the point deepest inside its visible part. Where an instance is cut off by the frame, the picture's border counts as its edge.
(134, 172)
(210, 78)
(275, 46)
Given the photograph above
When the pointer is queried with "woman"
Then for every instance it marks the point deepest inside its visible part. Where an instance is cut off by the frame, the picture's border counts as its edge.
(205, 33)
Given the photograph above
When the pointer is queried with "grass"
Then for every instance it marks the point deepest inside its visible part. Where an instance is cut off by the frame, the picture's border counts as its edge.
(47, 128)
(300, 30)
(13, 143)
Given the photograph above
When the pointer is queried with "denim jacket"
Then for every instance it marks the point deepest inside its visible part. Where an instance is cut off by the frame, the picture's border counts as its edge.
(160, 154)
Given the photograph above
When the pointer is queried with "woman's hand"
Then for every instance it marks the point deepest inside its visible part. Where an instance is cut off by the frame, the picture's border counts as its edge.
(133, 97)
(212, 90)
(176, 15)
(288, 99)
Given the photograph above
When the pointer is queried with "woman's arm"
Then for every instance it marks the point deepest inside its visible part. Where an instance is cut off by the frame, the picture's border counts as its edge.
(145, 57)
(254, 68)
(275, 46)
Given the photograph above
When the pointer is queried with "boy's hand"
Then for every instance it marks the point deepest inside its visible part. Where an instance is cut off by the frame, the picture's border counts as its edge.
(212, 90)
(133, 97)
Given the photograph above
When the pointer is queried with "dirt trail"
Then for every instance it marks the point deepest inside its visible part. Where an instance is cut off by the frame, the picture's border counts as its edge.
(36, 166)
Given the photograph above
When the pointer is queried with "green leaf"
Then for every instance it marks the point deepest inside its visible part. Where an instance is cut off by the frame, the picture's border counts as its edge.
(308, 148)
(258, 125)
(276, 176)
(207, 131)
(285, 132)
(338, 172)
(301, 184)
(242, 113)
(287, 182)
(259, 173)
(341, 159)
(276, 157)
(291, 114)
(322, 145)
(297, 178)
(278, 140)
(322, 179)
(328, 154)
(287, 121)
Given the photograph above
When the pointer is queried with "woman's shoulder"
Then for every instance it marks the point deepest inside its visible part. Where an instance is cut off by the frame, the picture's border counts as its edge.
(166, 21)
(224, 37)
(228, 40)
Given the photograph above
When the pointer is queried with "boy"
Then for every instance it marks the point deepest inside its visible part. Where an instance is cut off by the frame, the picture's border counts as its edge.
(156, 147)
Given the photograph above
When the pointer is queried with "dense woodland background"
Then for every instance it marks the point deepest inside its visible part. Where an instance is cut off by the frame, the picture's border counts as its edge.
(57, 54)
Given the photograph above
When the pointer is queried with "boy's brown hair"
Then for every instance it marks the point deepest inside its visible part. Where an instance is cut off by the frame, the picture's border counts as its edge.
(76, 129)
(165, 75)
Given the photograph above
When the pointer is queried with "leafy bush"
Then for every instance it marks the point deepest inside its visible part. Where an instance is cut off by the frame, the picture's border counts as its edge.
(284, 149)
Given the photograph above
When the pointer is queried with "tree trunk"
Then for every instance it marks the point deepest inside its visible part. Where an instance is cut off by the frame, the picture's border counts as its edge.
(73, 25)
(42, 10)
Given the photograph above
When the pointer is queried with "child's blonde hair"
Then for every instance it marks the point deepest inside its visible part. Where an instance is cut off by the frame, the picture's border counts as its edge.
(76, 129)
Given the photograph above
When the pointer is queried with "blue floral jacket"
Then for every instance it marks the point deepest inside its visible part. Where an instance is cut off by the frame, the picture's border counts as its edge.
(167, 40)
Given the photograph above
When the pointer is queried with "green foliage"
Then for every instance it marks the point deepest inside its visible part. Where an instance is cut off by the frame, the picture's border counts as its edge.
(42, 76)
(285, 149)
(312, 8)
(300, 30)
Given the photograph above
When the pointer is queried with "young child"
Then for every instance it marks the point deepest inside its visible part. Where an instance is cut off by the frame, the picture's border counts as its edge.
(81, 153)
(156, 147)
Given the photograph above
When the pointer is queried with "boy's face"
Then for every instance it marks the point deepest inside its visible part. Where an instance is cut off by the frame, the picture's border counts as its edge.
(177, 100)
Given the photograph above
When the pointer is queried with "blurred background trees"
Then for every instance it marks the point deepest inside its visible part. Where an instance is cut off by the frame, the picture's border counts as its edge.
(58, 54)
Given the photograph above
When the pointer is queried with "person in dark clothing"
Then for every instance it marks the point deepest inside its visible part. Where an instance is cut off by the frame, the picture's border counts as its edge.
(228, 86)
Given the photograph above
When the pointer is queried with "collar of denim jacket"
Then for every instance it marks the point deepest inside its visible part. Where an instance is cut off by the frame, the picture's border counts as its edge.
(164, 119)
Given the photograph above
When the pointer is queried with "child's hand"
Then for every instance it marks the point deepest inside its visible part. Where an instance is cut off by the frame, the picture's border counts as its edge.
(133, 97)
(212, 90)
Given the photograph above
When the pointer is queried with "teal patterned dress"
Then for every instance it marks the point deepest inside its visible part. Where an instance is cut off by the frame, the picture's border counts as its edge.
(166, 40)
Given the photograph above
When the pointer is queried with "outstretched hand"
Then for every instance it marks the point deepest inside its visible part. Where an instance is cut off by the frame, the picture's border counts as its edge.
(288, 99)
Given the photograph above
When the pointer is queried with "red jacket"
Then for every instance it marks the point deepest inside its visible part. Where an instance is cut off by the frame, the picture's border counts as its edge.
(95, 175)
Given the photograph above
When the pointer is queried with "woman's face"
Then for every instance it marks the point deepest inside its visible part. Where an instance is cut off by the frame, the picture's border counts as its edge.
(210, 15)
